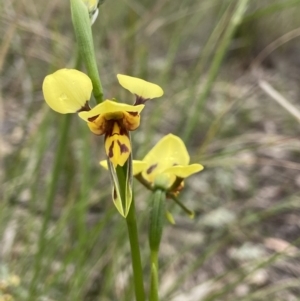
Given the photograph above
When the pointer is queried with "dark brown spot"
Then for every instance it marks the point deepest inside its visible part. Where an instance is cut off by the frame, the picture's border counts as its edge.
(91, 119)
(123, 130)
(110, 150)
(110, 128)
(123, 147)
(133, 113)
(115, 193)
(140, 100)
(174, 164)
(86, 107)
(151, 168)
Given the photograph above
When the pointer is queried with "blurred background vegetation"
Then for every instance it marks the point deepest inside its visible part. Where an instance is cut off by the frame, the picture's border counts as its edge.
(230, 70)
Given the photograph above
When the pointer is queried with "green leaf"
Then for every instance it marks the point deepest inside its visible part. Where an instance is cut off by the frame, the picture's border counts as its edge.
(116, 193)
(128, 184)
(157, 214)
(122, 179)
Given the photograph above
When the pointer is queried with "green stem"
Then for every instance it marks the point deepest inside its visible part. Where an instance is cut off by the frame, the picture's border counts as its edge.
(56, 169)
(84, 37)
(182, 206)
(133, 237)
(135, 254)
(155, 233)
(154, 277)
(154, 258)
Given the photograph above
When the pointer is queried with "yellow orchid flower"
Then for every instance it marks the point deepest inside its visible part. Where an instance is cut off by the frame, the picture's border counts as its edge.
(114, 120)
(167, 164)
(69, 90)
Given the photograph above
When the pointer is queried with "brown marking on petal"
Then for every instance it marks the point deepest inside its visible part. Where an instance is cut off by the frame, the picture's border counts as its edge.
(123, 130)
(174, 164)
(140, 100)
(91, 119)
(110, 128)
(151, 168)
(123, 148)
(115, 193)
(86, 107)
(133, 113)
(110, 150)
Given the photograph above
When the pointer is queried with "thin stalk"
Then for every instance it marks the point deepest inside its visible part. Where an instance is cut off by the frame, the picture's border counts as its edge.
(154, 258)
(56, 169)
(135, 253)
(154, 277)
(133, 238)
(156, 225)
(190, 213)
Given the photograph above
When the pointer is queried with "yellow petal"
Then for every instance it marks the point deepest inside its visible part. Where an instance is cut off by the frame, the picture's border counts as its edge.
(98, 126)
(169, 151)
(117, 146)
(109, 106)
(140, 87)
(138, 166)
(131, 120)
(67, 90)
(184, 171)
(103, 163)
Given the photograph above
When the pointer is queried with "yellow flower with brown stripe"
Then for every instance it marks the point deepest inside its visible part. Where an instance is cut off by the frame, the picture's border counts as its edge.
(166, 165)
(69, 91)
(114, 120)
